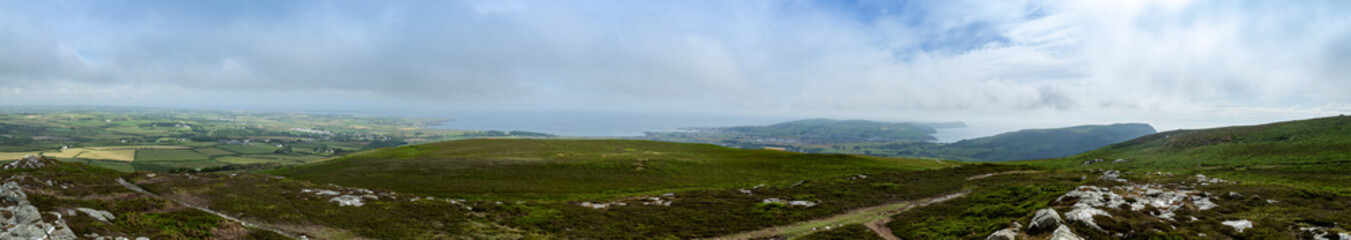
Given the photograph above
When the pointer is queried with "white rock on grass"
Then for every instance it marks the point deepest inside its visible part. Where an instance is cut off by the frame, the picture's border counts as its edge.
(1239, 225)
(348, 200)
(1003, 234)
(1064, 233)
(1085, 215)
(98, 214)
(1045, 219)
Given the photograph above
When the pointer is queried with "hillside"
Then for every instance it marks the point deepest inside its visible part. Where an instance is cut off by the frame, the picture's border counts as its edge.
(1017, 145)
(1046, 143)
(1304, 153)
(568, 169)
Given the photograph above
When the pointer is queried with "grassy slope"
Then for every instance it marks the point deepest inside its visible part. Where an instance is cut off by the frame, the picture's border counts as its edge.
(1045, 143)
(571, 169)
(1309, 154)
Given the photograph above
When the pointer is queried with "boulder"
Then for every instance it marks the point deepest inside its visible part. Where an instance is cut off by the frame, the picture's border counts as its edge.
(1064, 233)
(98, 214)
(1003, 234)
(1085, 215)
(1045, 220)
(1239, 225)
(28, 161)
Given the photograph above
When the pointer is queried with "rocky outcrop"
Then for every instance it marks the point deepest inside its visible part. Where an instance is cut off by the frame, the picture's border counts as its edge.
(21, 220)
(1064, 233)
(29, 162)
(1164, 200)
(1044, 220)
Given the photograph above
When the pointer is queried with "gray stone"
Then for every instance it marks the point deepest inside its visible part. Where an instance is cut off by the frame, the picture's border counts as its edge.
(1239, 225)
(1064, 233)
(98, 214)
(1045, 220)
(28, 161)
(1003, 234)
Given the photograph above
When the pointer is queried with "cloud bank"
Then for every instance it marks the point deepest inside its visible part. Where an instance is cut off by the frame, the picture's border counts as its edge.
(817, 57)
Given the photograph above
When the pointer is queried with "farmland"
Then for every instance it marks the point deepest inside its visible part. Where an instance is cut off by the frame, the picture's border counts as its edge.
(129, 139)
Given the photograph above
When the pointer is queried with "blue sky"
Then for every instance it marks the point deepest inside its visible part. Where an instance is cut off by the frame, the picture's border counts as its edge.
(1174, 64)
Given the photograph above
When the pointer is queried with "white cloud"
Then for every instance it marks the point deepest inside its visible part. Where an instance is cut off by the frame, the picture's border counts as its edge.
(1119, 58)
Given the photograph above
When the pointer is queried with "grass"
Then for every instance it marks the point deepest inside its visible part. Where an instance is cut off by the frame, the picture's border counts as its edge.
(576, 169)
(81, 186)
(248, 149)
(115, 155)
(211, 151)
(169, 155)
(994, 203)
(1307, 154)
(119, 166)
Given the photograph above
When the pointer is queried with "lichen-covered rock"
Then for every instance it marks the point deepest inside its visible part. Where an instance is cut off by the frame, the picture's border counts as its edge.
(1003, 234)
(28, 161)
(348, 200)
(1239, 225)
(1085, 215)
(98, 214)
(21, 220)
(1064, 233)
(1045, 220)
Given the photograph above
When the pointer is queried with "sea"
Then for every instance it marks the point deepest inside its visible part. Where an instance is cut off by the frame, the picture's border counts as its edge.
(614, 124)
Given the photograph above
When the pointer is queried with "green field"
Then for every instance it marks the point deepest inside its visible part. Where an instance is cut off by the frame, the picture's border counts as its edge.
(211, 151)
(169, 155)
(248, 149)
(565, 169)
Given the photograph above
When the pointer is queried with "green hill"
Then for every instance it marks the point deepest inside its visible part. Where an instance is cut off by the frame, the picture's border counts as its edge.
(1304, 153)
(1018, 145)
(569, 169)
(1046, 143)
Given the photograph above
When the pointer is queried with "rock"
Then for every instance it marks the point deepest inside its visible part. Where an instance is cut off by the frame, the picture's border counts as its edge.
(1003, 234)
(13, 194)
(1044, 220)
(20, 220)
(142, 238)
(1203, 203)
(1091, 161)
(28, 161)
(348, 200)
(98, 214)
(1064, 233)
(1085, 215)
(1239, 225)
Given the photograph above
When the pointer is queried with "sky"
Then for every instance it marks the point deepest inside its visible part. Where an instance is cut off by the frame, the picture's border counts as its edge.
(1009, 64)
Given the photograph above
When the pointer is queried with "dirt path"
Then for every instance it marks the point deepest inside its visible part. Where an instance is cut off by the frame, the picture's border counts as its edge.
(1001, 173)
(134, 187)
(880, 227)
(876, 216)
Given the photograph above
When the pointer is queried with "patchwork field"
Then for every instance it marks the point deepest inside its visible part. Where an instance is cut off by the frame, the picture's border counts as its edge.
(248, 149)
(115, 155)
(213, 151)
(169, 155)
(5, 156)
